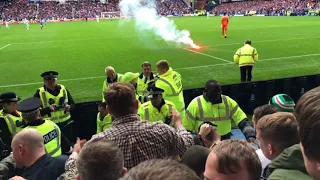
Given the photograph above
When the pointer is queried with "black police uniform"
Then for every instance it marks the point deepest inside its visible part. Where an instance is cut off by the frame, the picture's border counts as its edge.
(65, 127)
(46, 167)
(5, 134)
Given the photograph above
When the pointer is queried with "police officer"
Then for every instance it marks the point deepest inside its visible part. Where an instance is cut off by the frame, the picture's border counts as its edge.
(246, 57)
(112, 77)
(10, 119)
(157, 109)
(216, 109)
(56, 105)
(30, 109)
(170, 81)
(104, 119)
(144, 79)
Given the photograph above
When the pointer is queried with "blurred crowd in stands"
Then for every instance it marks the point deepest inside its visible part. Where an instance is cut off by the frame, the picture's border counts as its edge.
(268, 7)
(20, 9)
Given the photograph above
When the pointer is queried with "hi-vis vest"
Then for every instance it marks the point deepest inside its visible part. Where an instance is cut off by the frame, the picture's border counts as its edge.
(51, 136)
(104, 124)
(106, 85)
(57, 116)
(246, 56)
(150, 113)
(171, 83)
(15, 124)
(142, 84)
(200, 111)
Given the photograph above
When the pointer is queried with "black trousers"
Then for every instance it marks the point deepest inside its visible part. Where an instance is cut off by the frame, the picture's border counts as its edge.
(246, 73)
(67, 136)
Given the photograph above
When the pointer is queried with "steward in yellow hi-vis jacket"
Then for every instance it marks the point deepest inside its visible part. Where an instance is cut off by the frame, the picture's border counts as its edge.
(132, 78)
(30, 109)
(57, 103)
(112, 77)
(170, 81)
(218, 110)
(104, 119)
(11, 121)
(144, 79)
(157, 109)
(246, 57)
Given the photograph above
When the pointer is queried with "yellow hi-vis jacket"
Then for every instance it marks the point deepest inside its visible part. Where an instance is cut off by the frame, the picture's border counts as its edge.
(59, 115)
(142, 85)
(52, 137)
(171, 83)
(106, 84)
(150, 113)
(246, 56)
(15, 124)
(104, 124)
(221, 114)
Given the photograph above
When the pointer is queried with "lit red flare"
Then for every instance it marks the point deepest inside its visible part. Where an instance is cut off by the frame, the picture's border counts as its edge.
(195, 46)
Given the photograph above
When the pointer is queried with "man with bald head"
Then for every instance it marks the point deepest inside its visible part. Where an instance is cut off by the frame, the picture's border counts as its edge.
(218, 110)
(28, 152)
(112, 77)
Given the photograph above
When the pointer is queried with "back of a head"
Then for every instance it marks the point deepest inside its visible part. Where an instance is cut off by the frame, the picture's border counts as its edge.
(233, 155)
(31, 139)
(121, 99)
(247, 42)
(100, 159)
(307, 111)
(280, 129)
(195, 158)
(160, 169)
(163, 65)
(263, 110)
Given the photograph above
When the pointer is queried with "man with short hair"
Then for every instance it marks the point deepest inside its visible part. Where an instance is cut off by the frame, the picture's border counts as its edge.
(195, 158)
(208, 136)
(160, 169)
(246, 57)
(258, 113)
(112, 77)
(279, 142)
(233, 159)
(219, 110)
(100, 160)
(29, 153)
(104, 119)
(171, 82)
(307, 112)
(144, 79)
(141, 140)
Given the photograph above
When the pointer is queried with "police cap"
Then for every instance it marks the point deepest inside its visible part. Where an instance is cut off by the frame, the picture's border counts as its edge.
(154, 90)
(30, 105)
(49, 75)
(9, 97)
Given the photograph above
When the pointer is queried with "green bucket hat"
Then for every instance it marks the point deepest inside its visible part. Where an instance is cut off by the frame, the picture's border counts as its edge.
(283, 102)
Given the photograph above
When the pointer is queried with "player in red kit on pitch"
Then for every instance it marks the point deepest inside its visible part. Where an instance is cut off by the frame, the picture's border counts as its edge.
(224, 25)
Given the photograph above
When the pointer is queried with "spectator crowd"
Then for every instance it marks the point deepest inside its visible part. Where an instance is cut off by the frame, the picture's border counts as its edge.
(150, 137)
(20, 9)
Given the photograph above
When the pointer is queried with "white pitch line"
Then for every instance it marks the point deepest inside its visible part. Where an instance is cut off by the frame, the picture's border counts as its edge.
(194, 67)
(5, 46)
(207, 55)
(270, 40)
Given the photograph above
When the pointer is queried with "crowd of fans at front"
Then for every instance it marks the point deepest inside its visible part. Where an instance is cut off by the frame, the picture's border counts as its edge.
(287, 135)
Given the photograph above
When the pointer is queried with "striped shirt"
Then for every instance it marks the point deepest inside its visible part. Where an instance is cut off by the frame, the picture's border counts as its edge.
(141, 140)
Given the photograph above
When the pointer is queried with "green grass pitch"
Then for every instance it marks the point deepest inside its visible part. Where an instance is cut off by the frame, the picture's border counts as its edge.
(79, 51)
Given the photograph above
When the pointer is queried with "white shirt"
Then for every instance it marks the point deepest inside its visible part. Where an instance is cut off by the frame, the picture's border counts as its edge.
(264, 161)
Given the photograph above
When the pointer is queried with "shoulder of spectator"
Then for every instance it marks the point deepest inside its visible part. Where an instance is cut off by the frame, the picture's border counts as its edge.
(71, 171)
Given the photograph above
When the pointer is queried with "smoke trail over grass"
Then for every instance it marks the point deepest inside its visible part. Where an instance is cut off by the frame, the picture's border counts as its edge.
(146, 18)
